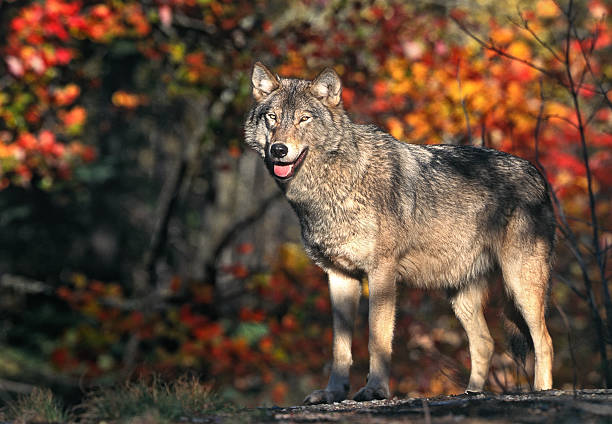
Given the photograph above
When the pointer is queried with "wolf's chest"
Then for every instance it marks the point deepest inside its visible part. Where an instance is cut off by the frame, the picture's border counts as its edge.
(351, 256)
(343, 244)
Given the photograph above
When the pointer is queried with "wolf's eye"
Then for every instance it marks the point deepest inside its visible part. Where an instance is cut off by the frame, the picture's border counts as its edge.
(272, 116)
(304, 118)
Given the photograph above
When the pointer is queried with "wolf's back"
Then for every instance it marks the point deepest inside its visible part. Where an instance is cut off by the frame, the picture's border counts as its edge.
(486, 185)
(451, 209)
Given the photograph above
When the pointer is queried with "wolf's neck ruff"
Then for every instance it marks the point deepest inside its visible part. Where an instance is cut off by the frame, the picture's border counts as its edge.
(327, 180)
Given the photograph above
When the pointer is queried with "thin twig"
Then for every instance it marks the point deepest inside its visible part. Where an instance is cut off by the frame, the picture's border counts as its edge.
(145, 278)
(525, 26)
(25, 285)
(569, 341)
(492, 47)
(502, 385)
(489, 46)
(598, 83)
(571, 237)
(464, 107)
(235, 229)
(548, 117)
(570, 285)
(483, 133)
(15, 387)
(601, 332)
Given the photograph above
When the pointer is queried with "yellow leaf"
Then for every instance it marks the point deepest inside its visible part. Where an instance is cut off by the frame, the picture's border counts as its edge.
(520, 50)
(556, 109)
(397, 68)
(419, 71)
(452, 90)
(480, 102)
(177, 52)
(547, 9)
(403, 87)
(502, 35)
(470, 87)
(514, 93)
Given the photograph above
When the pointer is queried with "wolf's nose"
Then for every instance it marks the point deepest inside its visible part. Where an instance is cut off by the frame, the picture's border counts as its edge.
(279, 150)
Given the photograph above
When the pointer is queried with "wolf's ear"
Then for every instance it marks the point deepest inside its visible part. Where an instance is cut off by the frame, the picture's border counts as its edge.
(264, 81)
(327, 87)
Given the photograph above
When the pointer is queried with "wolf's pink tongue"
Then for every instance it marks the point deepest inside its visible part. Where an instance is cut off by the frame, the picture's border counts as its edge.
(282, 170)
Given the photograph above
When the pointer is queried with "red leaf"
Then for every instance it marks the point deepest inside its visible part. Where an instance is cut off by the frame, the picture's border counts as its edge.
(245, 248)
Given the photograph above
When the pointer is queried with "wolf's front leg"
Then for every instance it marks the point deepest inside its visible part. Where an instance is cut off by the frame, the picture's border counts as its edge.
(344, 292)
(381, 285)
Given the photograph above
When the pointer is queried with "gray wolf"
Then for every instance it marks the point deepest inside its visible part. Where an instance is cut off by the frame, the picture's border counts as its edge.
(432, 216)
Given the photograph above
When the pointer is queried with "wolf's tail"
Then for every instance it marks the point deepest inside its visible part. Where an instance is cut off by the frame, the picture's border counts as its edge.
(516, 328)
(517, 331)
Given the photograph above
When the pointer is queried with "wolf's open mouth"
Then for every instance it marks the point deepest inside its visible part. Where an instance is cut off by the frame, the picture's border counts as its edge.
(284, 170)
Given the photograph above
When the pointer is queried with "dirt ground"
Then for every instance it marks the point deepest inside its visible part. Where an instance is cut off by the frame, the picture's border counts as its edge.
(553, 406)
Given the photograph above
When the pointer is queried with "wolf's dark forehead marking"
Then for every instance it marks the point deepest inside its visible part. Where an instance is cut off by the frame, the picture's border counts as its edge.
(292, 91)
(293, 84)
(295, 96)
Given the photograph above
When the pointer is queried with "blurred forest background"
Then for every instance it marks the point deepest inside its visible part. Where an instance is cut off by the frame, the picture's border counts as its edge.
(138, 236)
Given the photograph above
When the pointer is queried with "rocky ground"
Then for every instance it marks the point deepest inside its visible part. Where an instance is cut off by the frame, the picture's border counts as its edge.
(553, 406)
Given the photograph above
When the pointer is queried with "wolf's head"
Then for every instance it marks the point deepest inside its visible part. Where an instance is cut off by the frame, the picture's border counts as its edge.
(292, 119)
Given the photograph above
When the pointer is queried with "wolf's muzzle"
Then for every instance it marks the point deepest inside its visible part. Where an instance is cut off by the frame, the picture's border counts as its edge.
(286, 170)
(279, 150)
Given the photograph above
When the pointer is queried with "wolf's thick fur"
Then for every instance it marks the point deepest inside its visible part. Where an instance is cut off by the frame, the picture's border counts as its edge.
(433, 216)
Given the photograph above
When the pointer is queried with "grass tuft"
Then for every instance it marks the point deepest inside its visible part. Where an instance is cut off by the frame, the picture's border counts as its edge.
(151, 401)
(40, 405)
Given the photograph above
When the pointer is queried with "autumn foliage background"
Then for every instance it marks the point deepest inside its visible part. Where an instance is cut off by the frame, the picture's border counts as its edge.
(138, 237)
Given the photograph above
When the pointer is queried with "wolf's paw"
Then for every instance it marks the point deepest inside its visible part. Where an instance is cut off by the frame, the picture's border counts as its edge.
(371, 393)
(324, 396)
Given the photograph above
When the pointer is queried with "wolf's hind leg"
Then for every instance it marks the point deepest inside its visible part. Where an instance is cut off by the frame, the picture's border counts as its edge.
(344, 292)
(467, 305)
(526, 276)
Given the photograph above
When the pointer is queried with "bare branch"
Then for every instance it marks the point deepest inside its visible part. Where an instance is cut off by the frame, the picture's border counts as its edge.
(483, 133)
(184, 21)
(561, 118)
(25, 285)
(601, 90)
(571, 286)
(536, 131)
(501, 52)
(601, 331)
(154, 300)
(144, 279)
(569, 341)
(489, 46)
(235, 229)
(587, 223)
(525, 25)
(15, 387)
(595, 110)
(574, 246)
